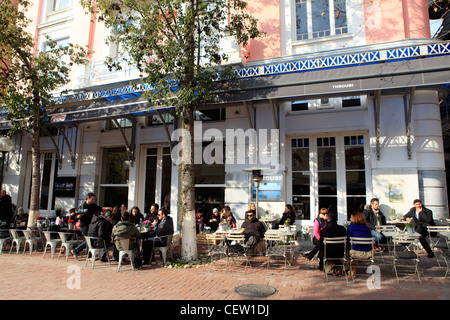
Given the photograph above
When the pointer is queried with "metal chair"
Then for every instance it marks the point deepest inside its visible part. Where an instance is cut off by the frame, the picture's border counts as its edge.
(405, 255)
(3, 241)
(239, 240)
(276, 246)
(93, 250)
(216, 246)
(338, 257)
(51, 241)
(435, 235)
(125, 243)
(31, 239)
(354, 259)
(17, 239)
(164, 249)
(67, 243)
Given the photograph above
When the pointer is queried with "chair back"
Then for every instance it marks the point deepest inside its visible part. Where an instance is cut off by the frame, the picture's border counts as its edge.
(438, 228)
(64, 236)
(388, 228)
(125, 244)
(335, 247)
(213, 239)
(402, 240)
(367, 242)
(14, 233)
(48, 235)
(239, 238)
(28, 234)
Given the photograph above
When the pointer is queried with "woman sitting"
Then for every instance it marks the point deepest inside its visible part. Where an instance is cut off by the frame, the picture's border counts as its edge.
(358, 229)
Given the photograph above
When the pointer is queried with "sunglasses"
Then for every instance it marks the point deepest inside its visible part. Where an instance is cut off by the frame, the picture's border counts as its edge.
(250, 215)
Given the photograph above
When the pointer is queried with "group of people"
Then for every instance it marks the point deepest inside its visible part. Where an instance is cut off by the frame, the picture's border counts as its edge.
(364, 225)
(101, 222)
(204, 218)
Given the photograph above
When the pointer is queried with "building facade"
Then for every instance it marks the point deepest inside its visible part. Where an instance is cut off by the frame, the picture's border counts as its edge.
(339, 103)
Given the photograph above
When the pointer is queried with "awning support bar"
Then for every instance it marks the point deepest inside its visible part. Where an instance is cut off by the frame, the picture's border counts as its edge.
(408, 122)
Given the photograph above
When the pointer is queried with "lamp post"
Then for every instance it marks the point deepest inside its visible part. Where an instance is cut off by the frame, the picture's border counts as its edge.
(6, 145)
(257, 178)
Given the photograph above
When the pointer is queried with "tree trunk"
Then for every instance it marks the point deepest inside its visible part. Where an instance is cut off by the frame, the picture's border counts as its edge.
(35, 172)
(187, 204)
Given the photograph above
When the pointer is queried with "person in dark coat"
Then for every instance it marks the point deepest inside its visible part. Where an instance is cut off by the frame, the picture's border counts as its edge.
(332, 230)
(163, 227)
(254, 229)
(101, 227)
(374, 217)
(422, 218)
(6, 211)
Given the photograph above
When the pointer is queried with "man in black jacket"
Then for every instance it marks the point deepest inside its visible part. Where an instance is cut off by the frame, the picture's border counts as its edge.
(422, 217)
(332, 230)
(101, 227)
(374, 217)
(253, 230)
(163, 227)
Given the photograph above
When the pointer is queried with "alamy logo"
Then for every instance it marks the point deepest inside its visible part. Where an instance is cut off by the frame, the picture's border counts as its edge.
(250, 147)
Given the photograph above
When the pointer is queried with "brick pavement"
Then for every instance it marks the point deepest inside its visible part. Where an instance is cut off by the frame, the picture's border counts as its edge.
(32, 277)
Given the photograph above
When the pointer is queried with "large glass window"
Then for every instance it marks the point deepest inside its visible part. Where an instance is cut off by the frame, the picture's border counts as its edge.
(320, 18)
(158, 177)
(301, 178)
(114, 177)
(355, 173)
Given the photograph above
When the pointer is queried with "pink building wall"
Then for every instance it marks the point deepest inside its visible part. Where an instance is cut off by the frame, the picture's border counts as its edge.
(268, 14)
(390, 20)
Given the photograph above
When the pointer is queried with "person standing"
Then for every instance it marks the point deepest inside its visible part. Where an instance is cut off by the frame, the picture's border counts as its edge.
(422, 218)
(6, 211)
(90, 209)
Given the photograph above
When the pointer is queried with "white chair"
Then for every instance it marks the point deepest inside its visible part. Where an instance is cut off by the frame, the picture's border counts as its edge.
(403, 254)
(164, 249)
(67, 243)
(3, 241)
(434, 235)
(17, 239)
(276, 246)
(51, 239)
(237, 239)
(90, 242)
(355, 259)
(338, 258)
(31, 239)
(125, 244)
(216, 246)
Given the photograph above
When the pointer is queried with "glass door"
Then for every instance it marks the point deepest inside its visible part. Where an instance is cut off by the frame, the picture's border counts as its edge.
(328, 172)
(158, 177)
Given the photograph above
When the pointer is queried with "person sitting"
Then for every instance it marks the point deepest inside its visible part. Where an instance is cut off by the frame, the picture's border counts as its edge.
(319, 223)
(20, 219)
(254, 230)
(359, 229)
(422, 218)
(230, 221)
(101, 227)
(332, 230)
(121, 231)
(213, 223)
(288, 215)
(200, 218)
(162, 228)
(136, 216)
(374, 217)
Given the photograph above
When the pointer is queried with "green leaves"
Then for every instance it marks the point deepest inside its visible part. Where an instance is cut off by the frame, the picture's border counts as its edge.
(176, 39)
(28, 81)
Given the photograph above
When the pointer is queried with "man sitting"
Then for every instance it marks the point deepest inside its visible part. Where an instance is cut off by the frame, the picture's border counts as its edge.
(253, 230)
(101, 227)
(332, 230)
(123, 230)
(163, 227)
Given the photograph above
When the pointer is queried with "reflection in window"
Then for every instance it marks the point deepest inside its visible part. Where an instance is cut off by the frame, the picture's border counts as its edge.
(320, 18)
(301, 178)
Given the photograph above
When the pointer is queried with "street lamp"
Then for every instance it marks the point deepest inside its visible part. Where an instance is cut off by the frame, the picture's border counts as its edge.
(6, 145)
(257, 177)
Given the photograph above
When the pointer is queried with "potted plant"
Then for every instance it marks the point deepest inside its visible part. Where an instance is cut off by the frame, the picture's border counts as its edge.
(287, 225)
(222, 225)
(146, 225)
(409, 227)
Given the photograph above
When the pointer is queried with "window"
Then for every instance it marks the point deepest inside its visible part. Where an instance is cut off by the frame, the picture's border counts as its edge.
(61, 4)
(355, 173)
(209, 115)
(123, 122)
(155, 120)
(301, 178)
(60, 43)
(114, 177)
(320, 18)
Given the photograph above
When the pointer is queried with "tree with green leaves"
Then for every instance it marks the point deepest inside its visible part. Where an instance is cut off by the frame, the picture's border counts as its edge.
(29, 81)
(176, 45)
